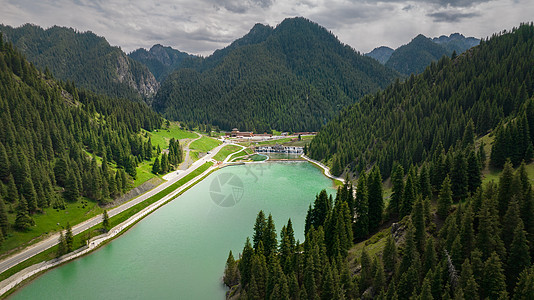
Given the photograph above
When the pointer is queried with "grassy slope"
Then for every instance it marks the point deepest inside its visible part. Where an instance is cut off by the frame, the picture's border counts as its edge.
(225, 151)
(84, 209)
(204, 144)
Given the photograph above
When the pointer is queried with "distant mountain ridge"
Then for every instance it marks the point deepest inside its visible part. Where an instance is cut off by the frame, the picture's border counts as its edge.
(382, 54)
(84, 58)
(293, 77)
(160, 60)
(421, 51)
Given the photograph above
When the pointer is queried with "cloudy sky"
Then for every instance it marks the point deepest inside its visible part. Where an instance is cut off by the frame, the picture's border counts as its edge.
(202, 26)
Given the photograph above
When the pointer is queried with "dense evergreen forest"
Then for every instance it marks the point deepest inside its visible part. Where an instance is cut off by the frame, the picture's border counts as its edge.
(476, 246)
(84, 58)
(415, 56)
(52, 133)
(294, 77)
(413, 122)
(443, 234)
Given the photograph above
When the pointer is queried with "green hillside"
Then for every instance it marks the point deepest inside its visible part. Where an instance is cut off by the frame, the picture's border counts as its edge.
(63, 150)
(411, 122)
(294, 77)
(84, 58)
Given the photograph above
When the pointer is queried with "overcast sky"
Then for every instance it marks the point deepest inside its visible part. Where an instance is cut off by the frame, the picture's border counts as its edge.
(202, 26)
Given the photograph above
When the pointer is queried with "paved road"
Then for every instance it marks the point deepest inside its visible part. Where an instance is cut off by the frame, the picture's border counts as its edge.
(187, 159)
(51, 241)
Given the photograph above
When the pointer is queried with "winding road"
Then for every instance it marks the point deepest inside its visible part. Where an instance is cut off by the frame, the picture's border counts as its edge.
(51, 241)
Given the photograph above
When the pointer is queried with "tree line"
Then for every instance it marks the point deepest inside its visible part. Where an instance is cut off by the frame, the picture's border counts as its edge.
(475, 245)
(409, 122)
(53, 135)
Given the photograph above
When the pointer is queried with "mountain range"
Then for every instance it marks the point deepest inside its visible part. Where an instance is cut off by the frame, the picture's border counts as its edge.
(84, 58)
(160, 60)
(294, 77)
(415, 56)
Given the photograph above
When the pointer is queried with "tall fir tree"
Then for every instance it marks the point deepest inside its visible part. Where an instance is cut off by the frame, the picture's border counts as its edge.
(375, 199)
(361, 226)
(493, 280)
(444, 199)
(397, 180)
(459, 178)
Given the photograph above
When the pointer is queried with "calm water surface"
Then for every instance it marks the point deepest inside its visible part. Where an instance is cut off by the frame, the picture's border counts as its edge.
(180, 250)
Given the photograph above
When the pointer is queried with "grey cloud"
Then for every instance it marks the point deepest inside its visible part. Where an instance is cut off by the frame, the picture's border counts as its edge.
(443, 3)
(242, 6)
(337, 15)
(452, 16)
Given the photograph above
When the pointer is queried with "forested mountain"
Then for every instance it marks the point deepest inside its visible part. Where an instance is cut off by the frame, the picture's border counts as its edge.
(84, 58)
(415, 56)
(51, 132)
(160, 60)
(411, 122)
(294, 77)
(382, 54)
(450, 236)
(456, 42)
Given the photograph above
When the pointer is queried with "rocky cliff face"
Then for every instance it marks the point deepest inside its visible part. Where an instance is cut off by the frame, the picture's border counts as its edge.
(84, 58)
(131, 73)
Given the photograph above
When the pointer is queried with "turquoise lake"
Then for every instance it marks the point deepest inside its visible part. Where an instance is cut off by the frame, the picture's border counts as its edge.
(180, 250)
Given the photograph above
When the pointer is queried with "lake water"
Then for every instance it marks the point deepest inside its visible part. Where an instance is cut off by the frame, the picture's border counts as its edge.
(180, 250)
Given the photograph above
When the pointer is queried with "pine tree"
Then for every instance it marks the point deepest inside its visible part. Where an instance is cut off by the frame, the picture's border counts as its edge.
(519, 256)
(72, 191)
(156, 166)
(164, 164)
(28, 191)
(12, 191)
(424, 182)
(459, 178)
(505, 188)
(105, 220)
(468, 139)
(525, 285)
(467, 235)
(418, 221)
(259, 229)
(482, 155)
(379, 281)
(269, 237)
(361, 226)
(510, 222)
(69, 238)
(4, 222)
(389, 255)
(397, 180)
(23, 221)
(445, 199)
(430, 257)
(4, 163)
(473, 172)
(426, 291)
(245, 263)
(366, 274)
(493, 280)
(375, 199)
(408, 198)
(62, 245)
(230, 271)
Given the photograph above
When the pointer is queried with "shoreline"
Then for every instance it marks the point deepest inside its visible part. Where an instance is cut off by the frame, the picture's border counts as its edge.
(326, 170)
(19, 279)
(11, 283)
